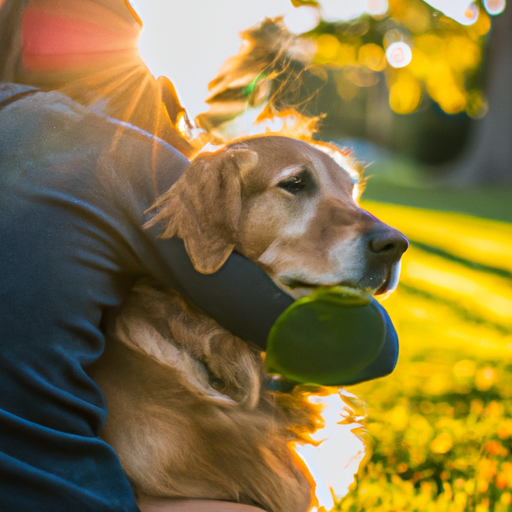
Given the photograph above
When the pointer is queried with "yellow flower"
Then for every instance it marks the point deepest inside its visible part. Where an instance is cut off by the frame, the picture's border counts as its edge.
(485, 378)
(443, 443)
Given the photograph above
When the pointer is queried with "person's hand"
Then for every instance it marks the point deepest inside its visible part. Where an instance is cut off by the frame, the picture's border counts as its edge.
(148, 504)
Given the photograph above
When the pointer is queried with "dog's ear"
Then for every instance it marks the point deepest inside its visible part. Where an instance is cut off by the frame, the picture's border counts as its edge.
(203, 207)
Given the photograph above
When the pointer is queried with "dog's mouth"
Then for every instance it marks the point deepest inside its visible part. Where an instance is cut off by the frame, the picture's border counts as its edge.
(390, 280)
(299, 289)
(364, 287)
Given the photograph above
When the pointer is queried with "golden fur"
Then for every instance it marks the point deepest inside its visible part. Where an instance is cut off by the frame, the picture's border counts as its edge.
(190, 414)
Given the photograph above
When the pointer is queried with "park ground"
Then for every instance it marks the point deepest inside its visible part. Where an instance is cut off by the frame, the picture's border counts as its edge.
(439, 429)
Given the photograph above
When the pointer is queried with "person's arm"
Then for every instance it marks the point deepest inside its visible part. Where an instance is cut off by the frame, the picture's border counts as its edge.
(239, 296)
(244, 300)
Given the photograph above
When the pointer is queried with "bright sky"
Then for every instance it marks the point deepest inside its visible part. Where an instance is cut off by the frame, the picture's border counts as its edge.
(188, 40)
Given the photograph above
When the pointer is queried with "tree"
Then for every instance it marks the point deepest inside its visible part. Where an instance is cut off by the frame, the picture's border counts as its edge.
(350, 79)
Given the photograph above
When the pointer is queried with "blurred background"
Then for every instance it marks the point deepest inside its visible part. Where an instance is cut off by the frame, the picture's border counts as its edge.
(420, 91)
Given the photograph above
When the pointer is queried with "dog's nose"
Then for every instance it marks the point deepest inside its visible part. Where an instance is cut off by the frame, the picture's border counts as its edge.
(387, 243)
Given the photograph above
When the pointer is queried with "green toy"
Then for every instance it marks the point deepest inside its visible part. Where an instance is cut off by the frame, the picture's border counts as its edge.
(326, 338)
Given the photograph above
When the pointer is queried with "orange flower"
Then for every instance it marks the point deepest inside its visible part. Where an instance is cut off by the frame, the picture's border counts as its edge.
(496, 448)
(505, 429)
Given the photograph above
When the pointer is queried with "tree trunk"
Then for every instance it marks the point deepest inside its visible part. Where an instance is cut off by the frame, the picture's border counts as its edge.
(488, 156)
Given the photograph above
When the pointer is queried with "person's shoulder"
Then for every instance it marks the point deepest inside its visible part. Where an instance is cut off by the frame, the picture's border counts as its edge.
(33, 115)
(26, 98)
(50, 127)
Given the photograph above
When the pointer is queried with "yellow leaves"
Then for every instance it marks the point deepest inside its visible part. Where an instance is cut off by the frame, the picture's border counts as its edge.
(404, 94)
(327, 47)
(481, 27)
(416, 17)
(372, 56)
(330, 51)
(450, 97)
(430, 44)
(420, 65)
(347, 55)
(445, 86)
(441, 61)
(462, 53)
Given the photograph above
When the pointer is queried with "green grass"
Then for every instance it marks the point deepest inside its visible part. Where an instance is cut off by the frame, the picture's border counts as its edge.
(400, 181)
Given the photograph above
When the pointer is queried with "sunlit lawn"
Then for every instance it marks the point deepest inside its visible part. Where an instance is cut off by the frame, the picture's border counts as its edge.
(441, 424)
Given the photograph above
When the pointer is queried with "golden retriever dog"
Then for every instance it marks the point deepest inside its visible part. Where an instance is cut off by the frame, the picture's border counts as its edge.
(190, 413)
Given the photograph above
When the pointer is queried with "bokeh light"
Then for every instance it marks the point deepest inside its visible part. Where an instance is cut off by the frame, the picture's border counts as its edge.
(464, 12)
(399, 54)
(302, 19)
(377, 7)
(341, 10)
(404, 94)
(470, 15)
(495, 7)
(372, 56)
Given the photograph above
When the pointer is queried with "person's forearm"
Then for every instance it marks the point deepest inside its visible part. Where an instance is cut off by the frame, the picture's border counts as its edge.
(239, 296)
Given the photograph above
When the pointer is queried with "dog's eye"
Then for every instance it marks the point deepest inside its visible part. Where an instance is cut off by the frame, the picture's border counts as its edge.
(294, 184)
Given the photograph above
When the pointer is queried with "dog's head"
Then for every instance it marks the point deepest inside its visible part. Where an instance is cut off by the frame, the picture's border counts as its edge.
(287, 206)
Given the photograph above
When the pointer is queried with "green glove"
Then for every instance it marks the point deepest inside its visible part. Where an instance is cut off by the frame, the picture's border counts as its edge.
(326, 338)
